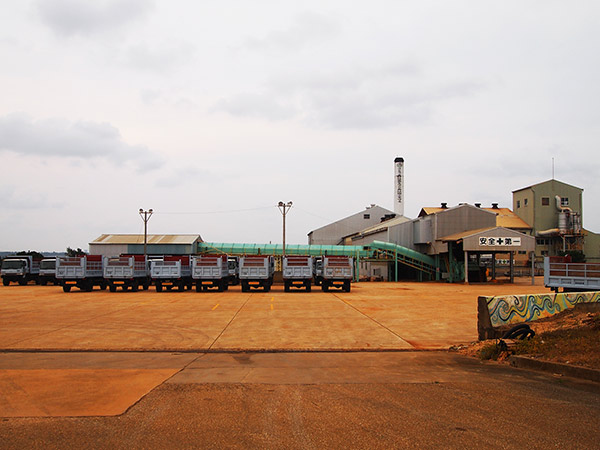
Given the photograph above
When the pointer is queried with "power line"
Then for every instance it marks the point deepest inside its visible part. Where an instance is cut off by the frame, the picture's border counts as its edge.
(229, 211)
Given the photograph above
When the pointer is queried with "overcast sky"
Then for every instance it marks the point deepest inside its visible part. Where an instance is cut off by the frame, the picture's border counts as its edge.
(210, 112)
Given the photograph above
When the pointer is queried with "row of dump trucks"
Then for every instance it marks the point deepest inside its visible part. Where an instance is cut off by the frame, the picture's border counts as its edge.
(181, 272)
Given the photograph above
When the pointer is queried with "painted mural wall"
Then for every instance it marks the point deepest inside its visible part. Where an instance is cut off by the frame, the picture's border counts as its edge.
(509, 309)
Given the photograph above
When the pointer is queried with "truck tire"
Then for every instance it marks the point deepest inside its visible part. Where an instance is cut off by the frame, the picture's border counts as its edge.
(324, 286)
(22, 282)
(112, 288)
(66, 288)
(198, 287)
(245, 287)
(135, 287)
(88, 287)
(5, 282)
(347, 286)
(308, 287)
(181, 287)
(220, 287)
(286, 286)
(158, 287)
(103, 286)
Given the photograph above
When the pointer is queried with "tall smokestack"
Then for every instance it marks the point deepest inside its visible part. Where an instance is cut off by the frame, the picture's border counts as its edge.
(399, 186)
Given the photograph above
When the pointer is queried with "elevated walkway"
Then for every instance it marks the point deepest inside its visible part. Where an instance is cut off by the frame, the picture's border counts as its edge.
(403, 255)
(356, 251)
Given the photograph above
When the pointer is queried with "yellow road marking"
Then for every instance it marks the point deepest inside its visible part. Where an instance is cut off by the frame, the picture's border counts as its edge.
(271, 306)
(272, 298)
(216, 306)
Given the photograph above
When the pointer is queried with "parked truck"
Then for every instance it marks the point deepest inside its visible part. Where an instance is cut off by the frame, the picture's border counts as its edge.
(83, 272)
(127, 271)
(560, 272)
(338, 272)
(170, 272)
(256, 272)
(48, 271)
(20, 269)
(210, 271)
(297, 272)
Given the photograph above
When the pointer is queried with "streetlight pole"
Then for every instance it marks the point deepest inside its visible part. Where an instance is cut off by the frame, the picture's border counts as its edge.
(145, 215)
(284, 208)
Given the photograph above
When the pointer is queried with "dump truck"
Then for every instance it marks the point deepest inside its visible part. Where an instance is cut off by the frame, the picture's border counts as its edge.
(48, 271)
(20, 269)
(256, 272)
(337, 272)
(297, 272)
(560, 272)
(210, 271)
(170, 272)
(127, 271)
(83, 272)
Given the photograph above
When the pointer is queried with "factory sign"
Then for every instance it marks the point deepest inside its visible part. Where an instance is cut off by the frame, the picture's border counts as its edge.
(499, 241)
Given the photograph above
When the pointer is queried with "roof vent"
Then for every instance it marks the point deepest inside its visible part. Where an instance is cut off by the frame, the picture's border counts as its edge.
(495, 206)
(477, 205)
(444, 205)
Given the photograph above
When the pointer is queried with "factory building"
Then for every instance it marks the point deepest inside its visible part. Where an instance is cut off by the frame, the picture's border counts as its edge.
(554, 210)
(334, 233)
(157, 244)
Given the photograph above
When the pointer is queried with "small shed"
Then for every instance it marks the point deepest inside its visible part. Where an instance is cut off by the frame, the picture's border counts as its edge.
(489, 241)
(157, 244)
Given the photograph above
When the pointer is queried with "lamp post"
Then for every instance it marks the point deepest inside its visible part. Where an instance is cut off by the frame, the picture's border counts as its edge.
(284, 208)
(145, 215)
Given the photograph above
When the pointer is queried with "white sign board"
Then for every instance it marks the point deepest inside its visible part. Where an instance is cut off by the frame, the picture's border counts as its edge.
(500, 241)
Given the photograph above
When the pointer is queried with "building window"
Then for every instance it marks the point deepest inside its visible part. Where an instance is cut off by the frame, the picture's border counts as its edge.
(525, 202)
(542, 241)
(518, 204)
(545, 201)
(367, 216)
(564, 201)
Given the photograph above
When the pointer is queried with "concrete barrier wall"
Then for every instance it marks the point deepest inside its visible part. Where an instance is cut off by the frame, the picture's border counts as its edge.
(499, 311)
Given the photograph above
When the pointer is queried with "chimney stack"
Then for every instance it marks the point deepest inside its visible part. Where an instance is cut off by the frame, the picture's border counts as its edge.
(444, 205)
(494, 205)
(399, 186)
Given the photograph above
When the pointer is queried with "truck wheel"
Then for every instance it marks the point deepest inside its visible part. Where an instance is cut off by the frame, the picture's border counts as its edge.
(5, 282)
(347, 286)
(245, 287)
(198, 287)
(43, 283)
(220, 287)
(102, 286)
(308, 287)
(158, 287)
(22, 282)
(325, 287)
(267, 287)
(286, 286)
(88, 287)
(66, 288)
(135, 287)
(181, 287)
(112, 288)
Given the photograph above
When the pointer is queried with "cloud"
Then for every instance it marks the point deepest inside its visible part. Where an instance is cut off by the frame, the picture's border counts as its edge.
(73, 17)
(306, 29)
(63, 139)
(159, 58)
(355, 98)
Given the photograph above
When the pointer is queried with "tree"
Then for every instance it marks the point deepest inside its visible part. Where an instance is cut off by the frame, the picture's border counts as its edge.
(36, 255)
(72, 252)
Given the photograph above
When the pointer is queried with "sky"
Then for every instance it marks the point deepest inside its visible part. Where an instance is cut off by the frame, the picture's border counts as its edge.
(211, 112)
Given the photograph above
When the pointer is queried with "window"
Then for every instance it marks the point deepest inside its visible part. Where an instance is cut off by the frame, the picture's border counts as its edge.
(542, 241)
(564, 201)
(367, 216)
(545, 201)
(518, 204)
(525, 202)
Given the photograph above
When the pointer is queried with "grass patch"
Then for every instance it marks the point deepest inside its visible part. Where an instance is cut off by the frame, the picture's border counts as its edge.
(491, 351)
(579, 346)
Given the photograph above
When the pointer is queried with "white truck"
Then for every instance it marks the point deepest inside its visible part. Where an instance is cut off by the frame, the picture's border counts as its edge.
(83, 272)
(170, 272)
(560, 272)
(233, 262)
(48, 271)
(256, 272)
(19, 269)
(210, 271)
(127, 271)
(297, 272)
(338, 272)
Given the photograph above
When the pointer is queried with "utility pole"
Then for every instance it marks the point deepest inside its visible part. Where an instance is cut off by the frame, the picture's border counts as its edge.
(145, 215)
(284, 208)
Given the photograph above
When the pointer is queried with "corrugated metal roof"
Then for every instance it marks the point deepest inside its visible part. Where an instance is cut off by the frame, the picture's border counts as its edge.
(385, 225)
(464, 234)
(187, 239)
(505, 217)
